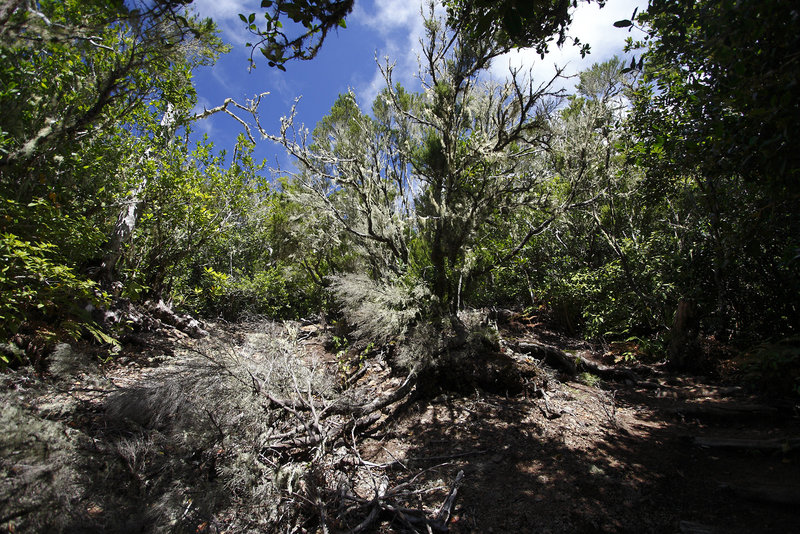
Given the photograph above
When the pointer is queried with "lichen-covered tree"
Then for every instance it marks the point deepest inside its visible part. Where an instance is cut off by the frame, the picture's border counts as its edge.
(420, 182)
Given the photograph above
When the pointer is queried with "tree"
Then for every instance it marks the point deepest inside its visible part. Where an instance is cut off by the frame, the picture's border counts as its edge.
(93, 63)
(718, 87)
(312, 20)
(716, 108)
(514, 23)
(89, 92)
(420, 183)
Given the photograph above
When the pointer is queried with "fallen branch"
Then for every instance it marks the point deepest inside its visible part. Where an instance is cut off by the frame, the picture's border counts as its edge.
(357, 410)
(186, 324)
(724, 409)
(777, 444)
(386, 400)
(550, 355)
(446, 509)
(571, 364)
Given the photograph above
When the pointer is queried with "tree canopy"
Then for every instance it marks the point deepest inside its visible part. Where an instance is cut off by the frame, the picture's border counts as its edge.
(650, 185)
(514, 24)
(721, 79)
(435, 239)
(294, 29)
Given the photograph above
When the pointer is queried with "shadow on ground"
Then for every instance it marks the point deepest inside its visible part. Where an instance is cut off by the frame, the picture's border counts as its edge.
(593, 467)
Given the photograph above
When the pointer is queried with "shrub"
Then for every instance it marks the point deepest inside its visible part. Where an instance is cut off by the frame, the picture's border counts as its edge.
(379, 312)
(774, 367)
(279, 292)
(35, 282)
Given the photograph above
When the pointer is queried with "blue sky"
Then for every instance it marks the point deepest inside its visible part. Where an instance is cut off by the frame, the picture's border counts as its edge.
(376, 28)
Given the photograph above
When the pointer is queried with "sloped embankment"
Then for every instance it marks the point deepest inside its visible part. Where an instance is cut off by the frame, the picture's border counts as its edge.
(258, 427)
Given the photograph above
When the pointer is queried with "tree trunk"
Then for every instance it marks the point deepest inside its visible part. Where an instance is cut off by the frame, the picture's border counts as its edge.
(123, 232)
(684, 349)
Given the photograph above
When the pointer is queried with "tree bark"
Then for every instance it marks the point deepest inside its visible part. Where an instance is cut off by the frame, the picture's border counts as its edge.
(684, 350)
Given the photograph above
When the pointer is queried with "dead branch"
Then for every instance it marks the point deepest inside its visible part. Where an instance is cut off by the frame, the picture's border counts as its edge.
(778, 444)
(447, 506)
(570, 364)
(724, 409)
(251, 107)
(356, 410)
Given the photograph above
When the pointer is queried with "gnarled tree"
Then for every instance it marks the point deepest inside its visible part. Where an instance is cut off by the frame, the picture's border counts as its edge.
(418, 183)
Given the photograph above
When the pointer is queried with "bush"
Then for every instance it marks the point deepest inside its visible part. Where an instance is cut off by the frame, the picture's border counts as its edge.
(35, 282)
(774, 367)
(279, 292)
(379, 312)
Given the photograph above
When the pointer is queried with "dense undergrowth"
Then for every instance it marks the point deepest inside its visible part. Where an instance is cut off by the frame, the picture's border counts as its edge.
(617, 212)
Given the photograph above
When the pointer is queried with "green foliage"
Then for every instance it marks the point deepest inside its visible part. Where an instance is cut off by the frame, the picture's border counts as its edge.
(719, 91)
(35, 283)
(589, 379)
(280, 292)
(420, 189)
(516, 24)
(91, 94)
(774, 367)
(716, 108)
(301, 36)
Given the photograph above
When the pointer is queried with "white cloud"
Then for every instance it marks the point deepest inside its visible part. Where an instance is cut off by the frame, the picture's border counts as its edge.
(400, 27)
(388, 15)
(591, 25)
(366, 92)
(226, 15)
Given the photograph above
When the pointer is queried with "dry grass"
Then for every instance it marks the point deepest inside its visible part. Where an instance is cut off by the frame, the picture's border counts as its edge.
(179, 448)
(242, 431)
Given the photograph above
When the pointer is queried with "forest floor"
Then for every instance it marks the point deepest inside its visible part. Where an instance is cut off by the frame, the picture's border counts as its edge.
(666, 453)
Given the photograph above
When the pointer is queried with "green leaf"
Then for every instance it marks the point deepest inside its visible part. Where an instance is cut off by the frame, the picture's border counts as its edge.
(513, 23)
(623, 24)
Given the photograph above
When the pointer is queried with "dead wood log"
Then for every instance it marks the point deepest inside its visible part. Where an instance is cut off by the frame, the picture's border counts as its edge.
(357, 410)
(443, 515)
(550, 355)
(776, 444)
(186, 324)
(724, 409)
(571, 364)
(386, 500)
(310, 434)
(389, 398)
(771, 494)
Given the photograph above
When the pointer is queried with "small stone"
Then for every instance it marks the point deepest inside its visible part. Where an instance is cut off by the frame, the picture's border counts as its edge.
(596, 471)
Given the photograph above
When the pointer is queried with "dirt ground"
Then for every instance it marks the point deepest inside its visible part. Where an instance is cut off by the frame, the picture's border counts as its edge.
(669, 453)
(665, 453)
(610, 460)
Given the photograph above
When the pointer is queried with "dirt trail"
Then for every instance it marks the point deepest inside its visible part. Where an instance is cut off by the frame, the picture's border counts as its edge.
(610, 458)
(665, 453)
